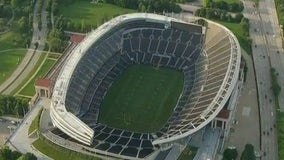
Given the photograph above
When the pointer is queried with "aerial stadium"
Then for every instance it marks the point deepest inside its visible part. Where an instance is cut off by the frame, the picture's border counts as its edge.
(141, 82)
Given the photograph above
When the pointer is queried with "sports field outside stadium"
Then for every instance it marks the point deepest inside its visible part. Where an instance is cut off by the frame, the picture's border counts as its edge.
(142, 98)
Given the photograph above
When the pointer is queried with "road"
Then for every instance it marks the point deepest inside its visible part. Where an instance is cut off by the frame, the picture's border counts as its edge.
(32, 55)
(266, 43)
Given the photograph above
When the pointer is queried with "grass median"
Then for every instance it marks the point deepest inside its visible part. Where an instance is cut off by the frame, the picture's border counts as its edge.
(31, 73)
(35, 123)
(57, 152)
(188, 153)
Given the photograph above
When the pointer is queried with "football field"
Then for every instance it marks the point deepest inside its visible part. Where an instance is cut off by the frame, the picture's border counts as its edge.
(142, 98)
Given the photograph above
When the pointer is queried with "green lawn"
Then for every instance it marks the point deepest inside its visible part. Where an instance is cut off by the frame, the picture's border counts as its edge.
(59, 153)
(29, 90)
(90, 14)
(239, 33)
(8, 41)
(9, 60)
(142, 98)
(188, 153)
(35, 123)
(54, 55)
(279, 4)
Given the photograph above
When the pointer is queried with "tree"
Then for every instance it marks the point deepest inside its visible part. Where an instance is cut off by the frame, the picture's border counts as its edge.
(5, 153)
(206, 3)
(2, 23)
(28, 156)
(15, 3)
(239, 17)
(13, 105)
(245, 26)
(230, 154)
(23, 24)
(248, 153)
(16, 154)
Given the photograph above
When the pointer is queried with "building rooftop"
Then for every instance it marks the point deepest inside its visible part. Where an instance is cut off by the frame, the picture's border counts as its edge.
(224, 113)
(77, 38)
(43, 82)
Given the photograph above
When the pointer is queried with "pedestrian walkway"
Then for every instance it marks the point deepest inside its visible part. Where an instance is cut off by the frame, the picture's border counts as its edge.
(247, 114)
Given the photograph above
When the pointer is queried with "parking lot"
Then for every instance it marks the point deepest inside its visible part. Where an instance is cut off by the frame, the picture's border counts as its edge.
(6, 127)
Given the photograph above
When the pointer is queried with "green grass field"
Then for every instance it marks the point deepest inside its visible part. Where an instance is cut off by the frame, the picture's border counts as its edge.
(29, 90)
(8, 41)
(54, 55)
(57, 152)
(239, 33)
(142, 98)
(9, 60)
(188, 153)
(10, 56)
(90, 14)
(35, 123)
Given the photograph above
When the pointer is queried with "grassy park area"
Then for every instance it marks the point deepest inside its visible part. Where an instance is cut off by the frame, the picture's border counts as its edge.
(9, 41)
(85, 14)
(9, 60)
(188, 153)
(238, 31)
(11, 54)
(142, 98)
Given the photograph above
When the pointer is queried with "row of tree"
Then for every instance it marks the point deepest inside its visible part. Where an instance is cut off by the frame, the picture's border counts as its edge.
(56, 39)
(7, 154)
(218, 14)
(22, 11)
(149, 5)
(247, 154)
(158, 6)
(276, 88)
(10, 105)
(5, 11)
(231, 7)
(279, 4)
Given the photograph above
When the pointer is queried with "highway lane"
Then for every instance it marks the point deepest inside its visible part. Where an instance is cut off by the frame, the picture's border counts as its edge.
(272, 29)
(263, 45)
